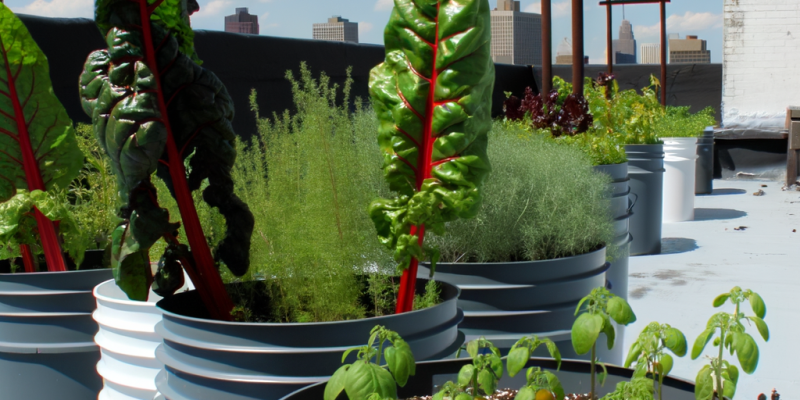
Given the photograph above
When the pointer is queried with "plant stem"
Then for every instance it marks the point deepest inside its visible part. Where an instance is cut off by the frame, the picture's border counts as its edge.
(27, 257)
(592, 369)
(221, 306)
(718, 367)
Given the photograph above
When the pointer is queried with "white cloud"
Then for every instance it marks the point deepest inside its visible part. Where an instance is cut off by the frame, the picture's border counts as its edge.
(689, 22)
(364, 27)
(59, 8)
(558, 9)
(383, 5)
(214, 8)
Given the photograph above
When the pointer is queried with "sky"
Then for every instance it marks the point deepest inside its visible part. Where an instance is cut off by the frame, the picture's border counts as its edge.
(294, 18)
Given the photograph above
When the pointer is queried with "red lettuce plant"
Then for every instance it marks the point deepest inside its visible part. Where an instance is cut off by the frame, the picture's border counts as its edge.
(38, 148)
(433, 100)
(559, 113)
(154, 109)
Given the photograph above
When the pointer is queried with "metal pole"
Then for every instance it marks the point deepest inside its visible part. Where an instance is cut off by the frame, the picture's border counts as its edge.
(547, 48)
(663, 54)
(609, 41)
(577, 47)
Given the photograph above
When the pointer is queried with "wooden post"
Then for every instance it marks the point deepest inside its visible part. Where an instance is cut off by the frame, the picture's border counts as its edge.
(547, 48)
(609, 41)
(577, 47)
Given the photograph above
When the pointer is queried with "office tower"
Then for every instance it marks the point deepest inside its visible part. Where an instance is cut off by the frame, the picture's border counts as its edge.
(625, 47)
(337, 29)
(242, 22)
(516, 35)
(651, 53)
(689, 50)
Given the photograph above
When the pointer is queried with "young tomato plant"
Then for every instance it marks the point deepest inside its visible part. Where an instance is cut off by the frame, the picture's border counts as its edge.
(38, 147)
(720, 376)
(479, 377)
(367, 380)
(155, 109)
(602, 307)
(521, 351)
(648, 352)
(540, 385)
(433, 97)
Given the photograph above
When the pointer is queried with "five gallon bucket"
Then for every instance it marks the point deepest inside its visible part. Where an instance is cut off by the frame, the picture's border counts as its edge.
(704, 174)
(679, 163)
(646, 173)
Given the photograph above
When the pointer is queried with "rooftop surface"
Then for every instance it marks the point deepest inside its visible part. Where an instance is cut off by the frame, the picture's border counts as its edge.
(704, 258)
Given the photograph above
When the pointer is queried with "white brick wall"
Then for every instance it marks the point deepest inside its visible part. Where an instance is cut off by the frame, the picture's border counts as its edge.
(761, 58)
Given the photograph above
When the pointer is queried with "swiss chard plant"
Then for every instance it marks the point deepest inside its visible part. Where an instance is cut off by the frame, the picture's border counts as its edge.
(368, 380)
(648, 351)
(38, 150)
(433, 99)
(720, 376)
(601, 308)
(155, 109)
(477, 379)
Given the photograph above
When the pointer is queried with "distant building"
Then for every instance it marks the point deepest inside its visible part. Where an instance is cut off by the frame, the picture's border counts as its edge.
(337, 29)
(564, 53)
(516, 35)
(624, 48)
(651, 53)
(689, 50)
(242, 22)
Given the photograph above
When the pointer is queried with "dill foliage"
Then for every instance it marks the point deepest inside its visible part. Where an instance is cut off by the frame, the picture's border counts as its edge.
(543, 201)
(308, 179)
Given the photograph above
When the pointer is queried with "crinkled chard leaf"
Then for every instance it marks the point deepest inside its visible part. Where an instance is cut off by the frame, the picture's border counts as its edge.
(136, 110)
(433, 99)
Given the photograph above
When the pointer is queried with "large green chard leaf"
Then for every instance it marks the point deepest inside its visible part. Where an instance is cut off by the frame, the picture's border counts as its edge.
(26, 95)
(139, 111)
(433, 99)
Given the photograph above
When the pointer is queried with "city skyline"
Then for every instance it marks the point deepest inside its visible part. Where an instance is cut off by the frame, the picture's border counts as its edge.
(280, 18)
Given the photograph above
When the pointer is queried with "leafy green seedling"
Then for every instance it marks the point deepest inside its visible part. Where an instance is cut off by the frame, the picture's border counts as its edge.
(365, 380)
(602, 306)
(648, 353)
(732, 335)
(540, 385)
(521, 351)
(639, 388)
(481, 376)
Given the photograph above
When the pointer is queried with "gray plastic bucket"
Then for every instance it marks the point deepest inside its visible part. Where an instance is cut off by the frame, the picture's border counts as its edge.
(646, 171)
(209, 360)
(704, 178)
(47, 348)
(574, 376)
(505, 301)
(621, 211)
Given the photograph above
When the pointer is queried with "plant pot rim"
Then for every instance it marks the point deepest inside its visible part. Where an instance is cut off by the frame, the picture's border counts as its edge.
(377, 320)
(537, 262)
(126, 301)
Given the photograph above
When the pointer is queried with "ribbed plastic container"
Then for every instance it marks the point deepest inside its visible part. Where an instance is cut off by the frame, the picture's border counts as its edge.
(46, 331)
(646, 171)
(212, 360)
(128, 343)
(680, 157)
(621, 211)
(505, 301)
(704, 176)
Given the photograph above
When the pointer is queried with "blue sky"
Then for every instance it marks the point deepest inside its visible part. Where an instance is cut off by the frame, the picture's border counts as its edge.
(293, 18)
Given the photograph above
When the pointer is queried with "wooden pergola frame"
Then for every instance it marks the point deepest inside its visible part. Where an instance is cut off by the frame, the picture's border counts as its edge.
(609, 43)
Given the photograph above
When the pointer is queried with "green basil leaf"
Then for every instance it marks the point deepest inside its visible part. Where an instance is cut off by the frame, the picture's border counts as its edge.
(517, 359)
(675, 341)
(721, 299)
(746, 351)
(633, 354)
(364, 379)
(554, 352)
(762, 327)
(585, 331)
(555, 385)
(487, 381)
(608, 329)
(732, 373)
(758, 306)
(666, 364)
(472, 348)
(704, 384)
(335, 385)
(466, 374)
(620, 311)
(526, 393)
(700, 342)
